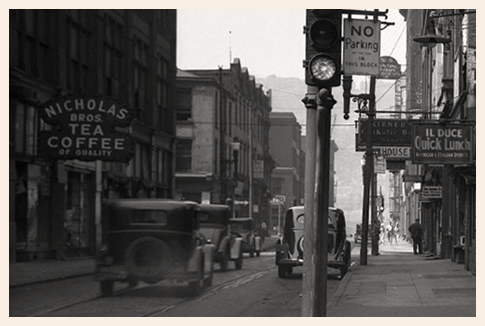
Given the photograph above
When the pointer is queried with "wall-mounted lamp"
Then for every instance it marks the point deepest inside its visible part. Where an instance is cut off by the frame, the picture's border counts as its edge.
(432, 38)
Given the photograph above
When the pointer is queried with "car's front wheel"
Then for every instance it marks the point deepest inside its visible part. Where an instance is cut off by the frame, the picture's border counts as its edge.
(239, 261)
(106, 288)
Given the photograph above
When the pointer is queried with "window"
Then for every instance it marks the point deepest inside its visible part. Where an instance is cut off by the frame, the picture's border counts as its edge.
(78, 38)
(140, 73)
(112, 57)
(184, 155)
(183, 104)
(25, 131)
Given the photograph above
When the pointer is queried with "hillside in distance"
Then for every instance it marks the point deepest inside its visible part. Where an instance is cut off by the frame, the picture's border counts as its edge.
(287, 94)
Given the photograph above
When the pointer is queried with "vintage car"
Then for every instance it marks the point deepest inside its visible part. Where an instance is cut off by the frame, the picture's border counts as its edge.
(358, 233)
(244, 227)
(289, 249)
(151, 240)
(215, 227)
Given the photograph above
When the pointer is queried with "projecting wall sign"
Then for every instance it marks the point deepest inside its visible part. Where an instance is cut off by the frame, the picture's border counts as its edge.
(435, 143)
(83, 128)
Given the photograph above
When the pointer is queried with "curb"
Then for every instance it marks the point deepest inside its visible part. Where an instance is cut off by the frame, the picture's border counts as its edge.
(47, 280)
(342, 286)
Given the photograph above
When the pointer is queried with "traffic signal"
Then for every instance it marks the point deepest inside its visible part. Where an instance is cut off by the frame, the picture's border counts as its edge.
(323, 47)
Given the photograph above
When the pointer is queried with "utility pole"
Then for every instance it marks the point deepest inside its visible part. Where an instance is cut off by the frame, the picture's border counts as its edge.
(251, 162)
(308, 292)
(323, 71)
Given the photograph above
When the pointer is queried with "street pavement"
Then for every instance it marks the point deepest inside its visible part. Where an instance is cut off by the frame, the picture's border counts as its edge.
(396, 283)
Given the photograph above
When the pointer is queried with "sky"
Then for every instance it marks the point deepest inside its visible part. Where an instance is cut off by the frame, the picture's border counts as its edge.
(267, 41)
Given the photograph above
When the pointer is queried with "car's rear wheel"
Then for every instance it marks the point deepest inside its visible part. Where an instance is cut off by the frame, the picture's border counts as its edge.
(148, 259)
(132, 282)
(195, 288)
(344, 269)
(284, 271)
(106, 288)
(209, 279)
(225, 259)
(239, 261)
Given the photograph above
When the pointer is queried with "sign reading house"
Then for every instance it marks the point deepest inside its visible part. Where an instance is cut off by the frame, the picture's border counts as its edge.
(435, 143)
(83, 128)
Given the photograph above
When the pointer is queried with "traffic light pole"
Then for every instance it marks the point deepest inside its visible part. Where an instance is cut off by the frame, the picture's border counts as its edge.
(369, 171)
(314, 303)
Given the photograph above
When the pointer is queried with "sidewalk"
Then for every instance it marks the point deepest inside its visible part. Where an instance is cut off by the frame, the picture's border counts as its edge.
(47, 270)
(398, 283)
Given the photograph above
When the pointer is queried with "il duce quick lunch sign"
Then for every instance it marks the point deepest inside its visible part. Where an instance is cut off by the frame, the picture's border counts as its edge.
(436, 143)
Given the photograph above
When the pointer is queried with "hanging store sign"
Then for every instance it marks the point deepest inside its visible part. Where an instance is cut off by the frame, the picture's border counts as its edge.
(389, 68)
(258, 169)
(362, 44)
(441, 143)
(380, 165)
(83, 128)
(411, 178)
(385, 133)
(430, 192)
(395, 153)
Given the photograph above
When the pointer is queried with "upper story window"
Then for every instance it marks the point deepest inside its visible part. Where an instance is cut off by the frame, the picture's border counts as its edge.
(183, 104)
(112, 57)
(140, 75)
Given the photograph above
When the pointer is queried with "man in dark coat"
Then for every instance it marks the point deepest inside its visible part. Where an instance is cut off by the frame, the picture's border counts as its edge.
(416, 231)
(376, 230)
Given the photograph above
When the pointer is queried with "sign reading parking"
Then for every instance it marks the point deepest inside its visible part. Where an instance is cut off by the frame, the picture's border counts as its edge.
(362, 43)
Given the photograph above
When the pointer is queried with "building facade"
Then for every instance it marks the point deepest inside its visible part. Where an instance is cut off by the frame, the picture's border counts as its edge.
(127, 56)
(222, 140)
(288, 178)
(441, 82)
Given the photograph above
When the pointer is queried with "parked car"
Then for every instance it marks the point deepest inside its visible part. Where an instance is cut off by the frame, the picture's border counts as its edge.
(244, 227)
(358, 233)
(214, 226)
(152, 240)
(289, 249)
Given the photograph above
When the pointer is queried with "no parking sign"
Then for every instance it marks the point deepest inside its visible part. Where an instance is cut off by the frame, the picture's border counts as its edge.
(362, 43)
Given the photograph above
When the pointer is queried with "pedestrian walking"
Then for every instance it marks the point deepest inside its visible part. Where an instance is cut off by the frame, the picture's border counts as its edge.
(395, 232)
(389, 231)
(382, 235)
(416, 231)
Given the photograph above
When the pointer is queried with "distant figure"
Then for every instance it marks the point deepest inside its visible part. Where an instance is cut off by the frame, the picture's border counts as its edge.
(416, 231)
(382, 235)
(376, 230)
(389, 231)
(394, 231)
(264, 230)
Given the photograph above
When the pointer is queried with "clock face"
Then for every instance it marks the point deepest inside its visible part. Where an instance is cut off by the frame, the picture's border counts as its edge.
(323, 68)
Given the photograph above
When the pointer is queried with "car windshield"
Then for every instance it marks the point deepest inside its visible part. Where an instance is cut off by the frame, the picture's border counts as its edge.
(240, 226)
(140, 216)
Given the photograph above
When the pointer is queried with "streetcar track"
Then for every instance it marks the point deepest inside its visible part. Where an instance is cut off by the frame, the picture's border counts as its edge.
(253, 274)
